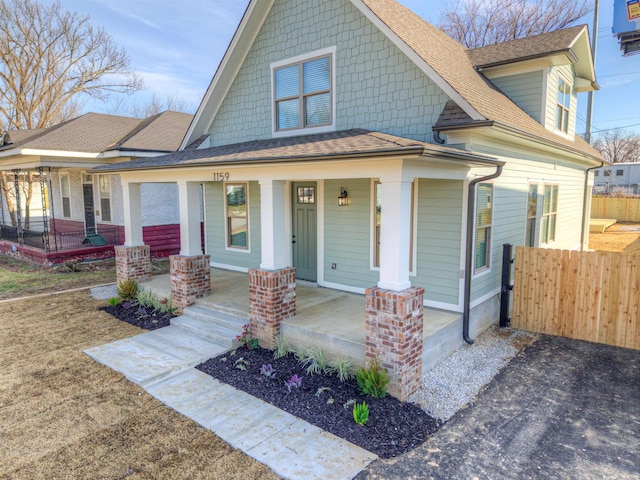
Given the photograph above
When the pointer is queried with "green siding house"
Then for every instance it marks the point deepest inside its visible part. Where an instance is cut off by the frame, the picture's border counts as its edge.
(360, 146)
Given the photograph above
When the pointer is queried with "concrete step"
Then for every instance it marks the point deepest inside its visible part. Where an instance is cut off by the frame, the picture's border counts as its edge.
(219, 317)
(230, 308)
(213, 325)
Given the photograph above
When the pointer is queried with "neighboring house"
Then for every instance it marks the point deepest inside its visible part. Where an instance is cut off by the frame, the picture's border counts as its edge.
(355, 144)
(618, 178)
(83, 215)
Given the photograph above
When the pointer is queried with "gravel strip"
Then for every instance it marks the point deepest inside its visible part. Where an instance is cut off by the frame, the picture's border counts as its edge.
(456, 381)
(105, 292)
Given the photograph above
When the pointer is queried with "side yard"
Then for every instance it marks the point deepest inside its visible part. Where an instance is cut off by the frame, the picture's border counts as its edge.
(64, 416)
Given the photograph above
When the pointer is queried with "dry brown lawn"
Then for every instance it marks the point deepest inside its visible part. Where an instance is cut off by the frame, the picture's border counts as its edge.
(64, 416)
(616, 239)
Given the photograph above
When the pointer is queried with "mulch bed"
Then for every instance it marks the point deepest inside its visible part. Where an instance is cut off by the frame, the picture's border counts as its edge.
(142, 317)
(393, 427)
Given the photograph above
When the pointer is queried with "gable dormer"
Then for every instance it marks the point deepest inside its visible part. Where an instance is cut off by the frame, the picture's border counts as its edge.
(542, 74)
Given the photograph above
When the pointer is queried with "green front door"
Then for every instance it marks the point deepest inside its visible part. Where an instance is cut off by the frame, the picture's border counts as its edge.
(305, 256)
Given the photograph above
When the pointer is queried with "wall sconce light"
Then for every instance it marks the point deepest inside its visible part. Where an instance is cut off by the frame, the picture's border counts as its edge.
(342, 198)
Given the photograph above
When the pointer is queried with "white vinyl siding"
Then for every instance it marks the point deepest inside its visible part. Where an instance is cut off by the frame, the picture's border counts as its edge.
(525, 89)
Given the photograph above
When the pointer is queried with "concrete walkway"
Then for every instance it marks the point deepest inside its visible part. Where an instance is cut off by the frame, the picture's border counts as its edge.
(162, 363)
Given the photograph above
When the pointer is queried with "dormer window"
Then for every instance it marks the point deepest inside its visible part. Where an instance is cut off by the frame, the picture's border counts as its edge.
(563, 106)
(303, 93)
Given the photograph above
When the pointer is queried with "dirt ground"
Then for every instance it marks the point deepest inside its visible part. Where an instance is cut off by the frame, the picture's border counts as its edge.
(562, 409)
(620, 237)
(64, 416)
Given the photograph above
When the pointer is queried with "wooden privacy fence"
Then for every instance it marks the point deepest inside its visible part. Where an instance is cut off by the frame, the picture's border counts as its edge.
(623, 209)
(592, 296)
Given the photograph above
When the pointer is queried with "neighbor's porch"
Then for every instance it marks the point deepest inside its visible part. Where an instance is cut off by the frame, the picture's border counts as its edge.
(332, 320)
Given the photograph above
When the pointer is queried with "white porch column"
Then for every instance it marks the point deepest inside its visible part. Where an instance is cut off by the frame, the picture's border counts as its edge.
(189, 202)
(272, 220)
(132, 215)
(395, 241)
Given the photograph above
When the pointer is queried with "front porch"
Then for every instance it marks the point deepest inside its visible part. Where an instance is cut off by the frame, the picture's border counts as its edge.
(333, 320)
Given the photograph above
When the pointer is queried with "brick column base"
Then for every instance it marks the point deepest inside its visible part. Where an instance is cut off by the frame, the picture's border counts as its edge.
(272, 298)
(394, 335)
(133, 263)
(190, 279)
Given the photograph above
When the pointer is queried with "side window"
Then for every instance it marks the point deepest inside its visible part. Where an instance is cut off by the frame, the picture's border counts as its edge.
(563, 106)
(532, 211)
(549, 214)
(104, 182)
(484, 218)
(65, 193)
(237, 212)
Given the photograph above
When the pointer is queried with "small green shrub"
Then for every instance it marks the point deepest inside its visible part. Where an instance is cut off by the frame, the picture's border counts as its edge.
(113, 301)
(343, 368)
(316, 362)
(147, 298)
(282, 347)
(127, 290)
(361, 413)
(302, 353)
(373, 380)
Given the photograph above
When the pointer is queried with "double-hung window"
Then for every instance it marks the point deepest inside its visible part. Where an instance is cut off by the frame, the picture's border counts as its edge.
(484, 218)
(549, 213)
(104, 183)
(65, 194)
(563, 106)
(303, 96)
(532, 213)
(237, 208)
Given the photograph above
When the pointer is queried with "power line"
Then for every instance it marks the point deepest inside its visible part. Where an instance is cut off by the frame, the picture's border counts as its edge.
(614, 128)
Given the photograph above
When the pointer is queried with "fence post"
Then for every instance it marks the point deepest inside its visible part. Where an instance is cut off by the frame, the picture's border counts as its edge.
(507, 260)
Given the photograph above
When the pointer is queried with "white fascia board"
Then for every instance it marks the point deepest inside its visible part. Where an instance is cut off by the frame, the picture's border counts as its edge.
(59, 153)
(516, 68)
(233, 59)
(418, 61)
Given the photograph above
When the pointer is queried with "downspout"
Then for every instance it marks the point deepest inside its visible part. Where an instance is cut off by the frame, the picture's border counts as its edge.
(584, 204)
(469, 250)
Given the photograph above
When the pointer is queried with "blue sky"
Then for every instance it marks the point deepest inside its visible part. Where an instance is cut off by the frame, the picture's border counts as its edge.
(177, 46)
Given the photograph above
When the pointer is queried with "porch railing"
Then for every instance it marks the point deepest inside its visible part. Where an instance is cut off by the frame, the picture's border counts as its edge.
(70, 240)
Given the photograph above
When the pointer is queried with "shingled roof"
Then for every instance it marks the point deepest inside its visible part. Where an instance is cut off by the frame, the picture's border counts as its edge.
(525, 48)
(96, 133)
(342, 144)
(450, 60)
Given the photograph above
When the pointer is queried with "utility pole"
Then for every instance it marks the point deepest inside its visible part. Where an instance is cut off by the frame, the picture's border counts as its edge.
(594, 44)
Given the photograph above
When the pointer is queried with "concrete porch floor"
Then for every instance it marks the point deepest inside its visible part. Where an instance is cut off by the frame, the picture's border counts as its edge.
(330, 319)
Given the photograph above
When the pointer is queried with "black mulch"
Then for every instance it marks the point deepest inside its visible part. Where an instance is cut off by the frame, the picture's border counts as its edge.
(142, 317)
(393, 427)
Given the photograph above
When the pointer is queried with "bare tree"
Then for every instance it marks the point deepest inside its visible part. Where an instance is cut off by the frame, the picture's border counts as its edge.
(618, 146)
(476, 23)
(51, 61)
(155, 106)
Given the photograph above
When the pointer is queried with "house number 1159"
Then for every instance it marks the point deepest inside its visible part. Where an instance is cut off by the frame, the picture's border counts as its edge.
(220, 176)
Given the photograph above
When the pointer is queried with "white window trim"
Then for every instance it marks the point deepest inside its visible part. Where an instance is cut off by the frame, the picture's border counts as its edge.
(545, 184)
(102, 220)
(331, 51)
(413, 271)
(228, 247)
(557, 130)
(484, 270)
(60, 175)
(526, 220)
